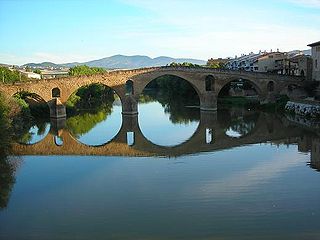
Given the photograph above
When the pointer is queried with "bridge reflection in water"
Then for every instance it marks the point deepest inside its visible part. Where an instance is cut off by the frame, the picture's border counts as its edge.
(212, 134)
(233, 192)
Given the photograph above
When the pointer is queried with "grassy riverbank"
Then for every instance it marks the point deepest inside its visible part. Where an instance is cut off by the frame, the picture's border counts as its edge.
(253, 103)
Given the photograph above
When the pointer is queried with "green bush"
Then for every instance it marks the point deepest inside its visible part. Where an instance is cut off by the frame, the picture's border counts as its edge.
(90, 96)
(8, 76)
(85, 70)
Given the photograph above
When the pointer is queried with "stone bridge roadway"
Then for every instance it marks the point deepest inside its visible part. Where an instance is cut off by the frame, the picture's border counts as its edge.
(207, 82)
(267, 128)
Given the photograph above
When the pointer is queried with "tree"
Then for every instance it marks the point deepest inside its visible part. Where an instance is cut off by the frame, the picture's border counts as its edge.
(10, 76)
(85, 70)
(217, 63)
(184, 64)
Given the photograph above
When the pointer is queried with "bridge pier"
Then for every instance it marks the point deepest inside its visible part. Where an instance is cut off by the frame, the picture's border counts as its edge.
(129, 129)
(57, 124)
(57, 109)
(129, 105)
(57, 130)
(208, 102)
(208, 123)
(272, 98)
(130, 123)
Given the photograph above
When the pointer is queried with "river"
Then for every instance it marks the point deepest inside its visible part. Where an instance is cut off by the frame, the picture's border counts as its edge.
(169, 173)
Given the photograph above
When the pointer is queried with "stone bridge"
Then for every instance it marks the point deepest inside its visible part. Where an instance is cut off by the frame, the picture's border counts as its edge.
(129, 84)
(209, 136)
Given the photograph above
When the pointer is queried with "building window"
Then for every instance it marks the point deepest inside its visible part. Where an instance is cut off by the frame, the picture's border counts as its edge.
(318, 49)
(316, 63)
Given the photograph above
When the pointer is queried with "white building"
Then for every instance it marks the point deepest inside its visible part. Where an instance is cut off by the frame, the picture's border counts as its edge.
(245, 62)
(31, 75)
(292, 63)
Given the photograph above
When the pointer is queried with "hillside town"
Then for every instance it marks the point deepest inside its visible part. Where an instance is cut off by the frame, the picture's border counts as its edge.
(29, 72)
(295, 63)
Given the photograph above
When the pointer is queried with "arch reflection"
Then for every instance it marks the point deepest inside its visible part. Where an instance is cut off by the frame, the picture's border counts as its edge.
(238, 122)
(32, 134)
(168, 112)
(95, 115)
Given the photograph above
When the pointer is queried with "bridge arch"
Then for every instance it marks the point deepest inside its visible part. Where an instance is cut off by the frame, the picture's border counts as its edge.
(84, 125)
(75, 90)
(35, 101)
(95, 129)
(173, 93)
(257, 87)
(141, 81)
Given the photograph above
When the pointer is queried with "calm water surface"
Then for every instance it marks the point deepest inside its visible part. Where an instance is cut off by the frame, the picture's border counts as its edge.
(256, 178)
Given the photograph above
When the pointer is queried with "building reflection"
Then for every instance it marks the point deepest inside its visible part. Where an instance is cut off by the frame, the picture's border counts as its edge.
(311, 143)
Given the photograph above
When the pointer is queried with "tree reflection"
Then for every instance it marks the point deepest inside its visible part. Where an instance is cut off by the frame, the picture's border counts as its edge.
(82, 123)
(7, 167)
(90, 97)
(89, 106)
(177, 97)
(31, 131)
(238, 122)
(7, 179)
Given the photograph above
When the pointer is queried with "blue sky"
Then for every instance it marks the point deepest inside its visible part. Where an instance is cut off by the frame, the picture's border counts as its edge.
(78, 30)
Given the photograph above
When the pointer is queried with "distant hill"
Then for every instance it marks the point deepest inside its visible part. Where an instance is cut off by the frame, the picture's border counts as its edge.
(42, 65)
(122, 62)
(129, 62)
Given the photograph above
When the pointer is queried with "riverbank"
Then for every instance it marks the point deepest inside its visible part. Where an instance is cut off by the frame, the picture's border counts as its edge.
(306, 108)
(254, 103)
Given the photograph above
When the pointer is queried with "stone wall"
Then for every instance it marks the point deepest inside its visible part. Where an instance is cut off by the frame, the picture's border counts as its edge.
(304, 108)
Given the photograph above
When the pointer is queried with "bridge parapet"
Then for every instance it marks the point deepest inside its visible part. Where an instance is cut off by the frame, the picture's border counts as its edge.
(164, 69)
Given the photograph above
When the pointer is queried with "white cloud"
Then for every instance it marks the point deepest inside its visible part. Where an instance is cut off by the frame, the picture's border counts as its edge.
(201, 31)
(307, 3)
(189, 29)
(245, 180)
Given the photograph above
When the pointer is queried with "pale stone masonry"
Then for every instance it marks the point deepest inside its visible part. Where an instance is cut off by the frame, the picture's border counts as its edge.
(315, 53)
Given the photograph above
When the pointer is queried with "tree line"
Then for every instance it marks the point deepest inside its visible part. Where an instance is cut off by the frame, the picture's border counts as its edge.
(85, 70)
(11, 76)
